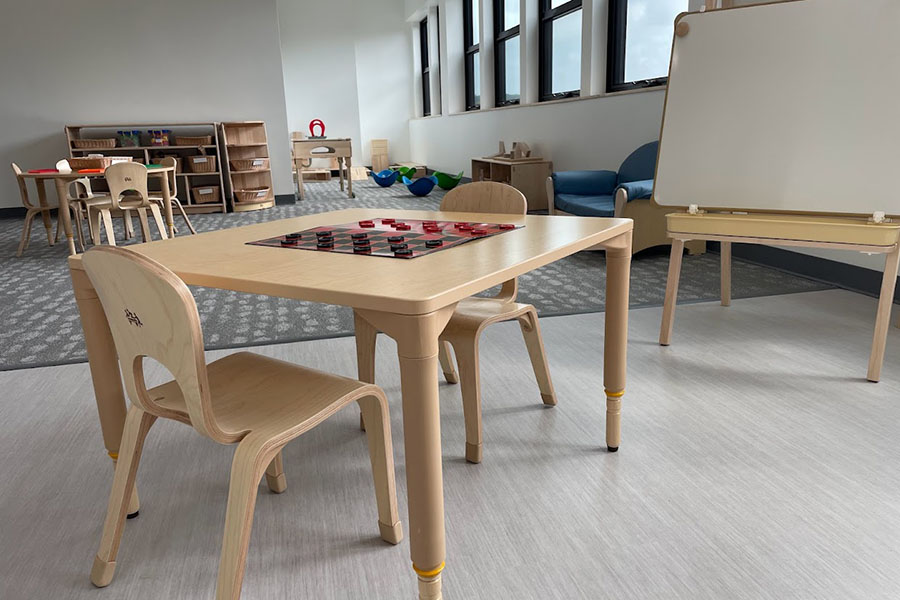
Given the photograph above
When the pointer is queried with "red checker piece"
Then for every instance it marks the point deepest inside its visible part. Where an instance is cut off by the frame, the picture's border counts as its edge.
(507, 226)
(479, 231)
(366, 224)
(402, 226)
(388, 221)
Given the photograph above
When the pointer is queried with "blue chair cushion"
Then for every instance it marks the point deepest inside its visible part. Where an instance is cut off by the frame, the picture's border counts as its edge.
(584, 183)
(637, 190)
(640, 164)
(586, 206)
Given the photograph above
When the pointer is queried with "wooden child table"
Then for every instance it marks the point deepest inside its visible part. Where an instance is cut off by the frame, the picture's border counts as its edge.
(62, 181)
(409, 300)
(337, 148)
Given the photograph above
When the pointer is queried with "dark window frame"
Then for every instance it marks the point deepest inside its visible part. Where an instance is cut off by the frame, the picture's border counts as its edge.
(545, 64)
(615, 52)
(471, 49)
(501, 36)
(426, 67)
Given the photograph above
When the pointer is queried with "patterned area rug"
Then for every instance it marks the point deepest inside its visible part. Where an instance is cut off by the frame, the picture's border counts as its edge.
(41, 325)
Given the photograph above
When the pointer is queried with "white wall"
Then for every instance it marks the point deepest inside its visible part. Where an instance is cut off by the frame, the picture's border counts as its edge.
(100, 61)
(349, 63)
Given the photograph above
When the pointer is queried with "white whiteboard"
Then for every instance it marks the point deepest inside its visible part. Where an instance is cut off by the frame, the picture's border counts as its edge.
(791, 107)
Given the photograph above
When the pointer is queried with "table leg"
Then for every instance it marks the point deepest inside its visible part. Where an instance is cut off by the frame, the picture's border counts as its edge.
(62, 191)
(45, 210)
(300, 180)
(883, 319)
(417, 347)
(349, 177)
(104, 365)
(167, 205)
(615, 342)
(725, 275)
(341, 172)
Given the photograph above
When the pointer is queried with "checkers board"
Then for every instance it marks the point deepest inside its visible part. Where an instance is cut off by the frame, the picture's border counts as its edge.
(395, 238)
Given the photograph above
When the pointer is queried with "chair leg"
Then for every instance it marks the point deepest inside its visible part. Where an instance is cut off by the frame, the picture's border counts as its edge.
(58, 228)
(668, 319)
(160, 224)
(275, 478)
(129, 224)
(466, 350)
(366, 338)
(108, 225)
(48, 226)
(381, 454)
(531, 331)
(137, 424)
(446, 360)
(26, 232)
(145, 224)
(184, 216)
(250, 460)
(79, 230)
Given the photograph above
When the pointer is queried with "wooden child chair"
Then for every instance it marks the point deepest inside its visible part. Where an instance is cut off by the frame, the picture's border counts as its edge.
(474, 314)
(170, 161)
(128, 191)
(44, 209)
(82, 199)
(256, 402)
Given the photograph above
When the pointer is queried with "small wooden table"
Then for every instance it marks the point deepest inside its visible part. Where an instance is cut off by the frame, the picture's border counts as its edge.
(63, 180)
(310, 148)
(408, 300)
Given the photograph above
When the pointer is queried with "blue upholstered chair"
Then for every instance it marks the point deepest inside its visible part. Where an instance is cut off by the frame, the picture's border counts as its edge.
(624, 193)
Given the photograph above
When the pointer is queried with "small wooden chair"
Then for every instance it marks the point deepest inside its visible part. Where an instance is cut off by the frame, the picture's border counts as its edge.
(44, 209)
(82, 198)
(170, 161)
(128, 191)
(474, 314)
(256, 402)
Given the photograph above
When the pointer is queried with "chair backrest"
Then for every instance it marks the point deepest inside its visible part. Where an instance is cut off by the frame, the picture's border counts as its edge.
(127, 177)
(151, 313)
(488, 197)
(485, 197)
(169, 161)
(640, 164)
(23, 189)
(80, 188)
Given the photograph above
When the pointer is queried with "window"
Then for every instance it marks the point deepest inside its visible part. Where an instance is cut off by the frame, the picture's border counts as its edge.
(560, 49)
(640, 42)
(506, 52)
(471, 39)
(426, 72)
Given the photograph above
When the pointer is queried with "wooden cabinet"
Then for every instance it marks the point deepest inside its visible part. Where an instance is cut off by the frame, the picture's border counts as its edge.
(247, 156)
(143, 143)
(528, 175)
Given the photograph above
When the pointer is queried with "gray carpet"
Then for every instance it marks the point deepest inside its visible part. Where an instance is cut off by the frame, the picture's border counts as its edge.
(41, 325)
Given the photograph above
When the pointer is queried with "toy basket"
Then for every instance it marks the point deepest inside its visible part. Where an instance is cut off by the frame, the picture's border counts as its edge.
(250, 164)
(86, 144)
(198, 140)
(252, 195)
(95, 162)
(205, 194)
(201, 164)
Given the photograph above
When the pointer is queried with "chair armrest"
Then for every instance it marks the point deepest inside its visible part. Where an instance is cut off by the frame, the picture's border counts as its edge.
(637, 190)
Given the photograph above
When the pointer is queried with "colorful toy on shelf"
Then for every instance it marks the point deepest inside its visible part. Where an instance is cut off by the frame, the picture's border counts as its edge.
(385, 178)
(421, 186)
(312, 129)
(159, 137)
(446, 181)
(128, 139)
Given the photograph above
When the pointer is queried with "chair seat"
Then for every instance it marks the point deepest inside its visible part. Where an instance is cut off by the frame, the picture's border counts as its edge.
(249, 391)
(586, 206)
(475, 313)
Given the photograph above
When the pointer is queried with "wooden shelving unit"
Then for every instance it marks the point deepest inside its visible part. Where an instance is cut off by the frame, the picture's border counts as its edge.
(146, 154)
(247, 140)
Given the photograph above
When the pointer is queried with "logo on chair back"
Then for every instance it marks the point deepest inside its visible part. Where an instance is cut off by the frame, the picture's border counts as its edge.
(133, 318)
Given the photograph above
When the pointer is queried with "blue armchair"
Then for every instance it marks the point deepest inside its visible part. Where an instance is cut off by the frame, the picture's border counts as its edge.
(624, 193)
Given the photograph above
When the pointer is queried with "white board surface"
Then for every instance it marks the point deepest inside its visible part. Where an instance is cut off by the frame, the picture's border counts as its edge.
(791, 107)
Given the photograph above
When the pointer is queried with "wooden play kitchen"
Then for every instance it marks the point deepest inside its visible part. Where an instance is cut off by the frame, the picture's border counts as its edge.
(518, 168)
(194, 146)
(807, 162)
(306, 149)
(408, 300)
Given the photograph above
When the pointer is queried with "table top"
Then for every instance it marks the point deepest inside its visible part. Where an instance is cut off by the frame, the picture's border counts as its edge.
(77, 175)
(222, 259)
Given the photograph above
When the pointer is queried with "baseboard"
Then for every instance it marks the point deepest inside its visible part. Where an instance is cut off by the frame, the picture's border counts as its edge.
(13, 212)
(282, 199)
(836, 273)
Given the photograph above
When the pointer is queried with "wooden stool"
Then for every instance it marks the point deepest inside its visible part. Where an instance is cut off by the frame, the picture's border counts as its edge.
(256, 402)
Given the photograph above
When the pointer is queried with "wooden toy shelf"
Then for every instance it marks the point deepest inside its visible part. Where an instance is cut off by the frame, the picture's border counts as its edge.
(249, 189)
(185, 180)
